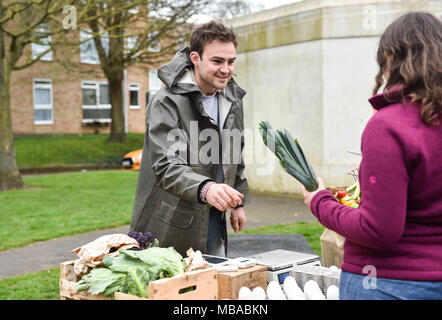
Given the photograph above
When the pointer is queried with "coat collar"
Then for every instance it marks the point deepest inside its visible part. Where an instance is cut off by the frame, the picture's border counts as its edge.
(395, 94)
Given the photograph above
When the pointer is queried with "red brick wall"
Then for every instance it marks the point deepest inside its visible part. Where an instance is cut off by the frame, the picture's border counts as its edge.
(67, 98)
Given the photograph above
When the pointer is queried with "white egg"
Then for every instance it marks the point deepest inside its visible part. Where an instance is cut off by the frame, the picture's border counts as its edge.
(294, 293)
(311, 288)
(273, 285)
(332, 293)
(289, 282)
(258, 294)
(292, 290)
(317, 296)
(245, 294)
(333, 268)
(274, 291)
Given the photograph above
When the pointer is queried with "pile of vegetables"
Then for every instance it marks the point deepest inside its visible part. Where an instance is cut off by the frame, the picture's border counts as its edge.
(145, 240)
(290, 155)
(350, 196)
(131, 271)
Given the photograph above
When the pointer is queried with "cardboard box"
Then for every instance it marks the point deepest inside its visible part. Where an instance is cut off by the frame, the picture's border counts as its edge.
(332, 244)
(323, 276)
(332, 251)
(229, 283)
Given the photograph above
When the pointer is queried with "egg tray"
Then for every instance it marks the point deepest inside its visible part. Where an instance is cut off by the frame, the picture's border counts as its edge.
(323, 276)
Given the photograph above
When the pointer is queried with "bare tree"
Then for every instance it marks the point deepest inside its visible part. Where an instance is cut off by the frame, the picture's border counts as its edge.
(127, 32)
(20, 22)
(226, 9)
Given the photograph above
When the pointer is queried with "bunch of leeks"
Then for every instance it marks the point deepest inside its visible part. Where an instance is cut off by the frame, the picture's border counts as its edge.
(290, 155)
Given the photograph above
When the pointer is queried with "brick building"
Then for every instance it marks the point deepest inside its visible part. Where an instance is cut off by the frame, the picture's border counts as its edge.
(48, 98)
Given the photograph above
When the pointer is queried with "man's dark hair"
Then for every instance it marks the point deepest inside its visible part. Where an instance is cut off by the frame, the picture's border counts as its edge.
(209, 32)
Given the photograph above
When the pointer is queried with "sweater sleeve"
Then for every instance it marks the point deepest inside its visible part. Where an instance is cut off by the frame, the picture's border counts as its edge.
(379, 221)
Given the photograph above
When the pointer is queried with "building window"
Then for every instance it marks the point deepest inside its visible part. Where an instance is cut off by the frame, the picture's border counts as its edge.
(132, 43)
(43, 101)
(154, 81)
(154, 84)
(88, 52)
(181, 43)
(42, 34)
(96, 102)
(134, 96)
(134, 10)
(155, 45)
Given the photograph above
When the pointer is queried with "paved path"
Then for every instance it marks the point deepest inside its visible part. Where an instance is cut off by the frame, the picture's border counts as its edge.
(264, 210)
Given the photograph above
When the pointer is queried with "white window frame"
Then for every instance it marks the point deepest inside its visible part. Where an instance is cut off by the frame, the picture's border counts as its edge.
(131, 42)
(155, 85)
(50, 106)
(181, 43)
(134, 10)
(37, 49)
(134, 87)
(86, 84)
(154, 81)
(92, 58)
(155, 47)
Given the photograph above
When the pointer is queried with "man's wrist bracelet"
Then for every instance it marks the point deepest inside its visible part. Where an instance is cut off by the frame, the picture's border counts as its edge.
(204, 189)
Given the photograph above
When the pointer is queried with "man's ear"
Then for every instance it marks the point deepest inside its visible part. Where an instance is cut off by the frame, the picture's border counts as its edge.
(194, 57)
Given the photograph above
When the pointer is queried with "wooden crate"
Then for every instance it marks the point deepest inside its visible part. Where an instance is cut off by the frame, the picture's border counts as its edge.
(229, 283)
(203, 282)
(204, 285)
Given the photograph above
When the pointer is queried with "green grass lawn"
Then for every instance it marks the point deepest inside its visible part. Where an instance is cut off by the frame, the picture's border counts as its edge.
(41, 285)
(65, 204)
(50, 150)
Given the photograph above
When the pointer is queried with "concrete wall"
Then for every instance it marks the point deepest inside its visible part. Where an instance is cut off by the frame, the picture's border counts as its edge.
(309, 67)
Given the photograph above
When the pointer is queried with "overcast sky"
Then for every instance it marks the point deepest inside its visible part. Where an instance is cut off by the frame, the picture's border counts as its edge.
(255, 5)
(271, 3)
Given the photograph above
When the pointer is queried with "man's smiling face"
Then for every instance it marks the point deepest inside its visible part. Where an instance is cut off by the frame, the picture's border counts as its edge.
(215, 68)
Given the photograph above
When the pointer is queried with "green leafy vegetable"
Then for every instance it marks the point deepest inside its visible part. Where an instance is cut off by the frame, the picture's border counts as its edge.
(137, 274)
(131, 271)
(290, 155)
(101, 280)
(162, 262)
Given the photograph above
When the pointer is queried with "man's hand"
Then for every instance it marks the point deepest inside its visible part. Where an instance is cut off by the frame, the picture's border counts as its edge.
(238, 219)
(223, 197)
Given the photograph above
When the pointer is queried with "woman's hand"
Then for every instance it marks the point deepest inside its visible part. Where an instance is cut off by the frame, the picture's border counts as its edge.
(308, 196)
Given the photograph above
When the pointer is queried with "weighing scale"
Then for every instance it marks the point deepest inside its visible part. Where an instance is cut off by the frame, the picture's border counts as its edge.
(279, 262)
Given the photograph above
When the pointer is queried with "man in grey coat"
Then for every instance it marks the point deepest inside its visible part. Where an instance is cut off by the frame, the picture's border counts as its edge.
(192, 169)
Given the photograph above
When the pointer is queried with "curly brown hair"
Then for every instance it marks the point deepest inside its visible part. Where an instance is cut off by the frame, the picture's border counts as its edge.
(410, 52)
(209, 32)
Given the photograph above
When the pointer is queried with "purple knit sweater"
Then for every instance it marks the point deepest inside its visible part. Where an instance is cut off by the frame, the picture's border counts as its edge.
(398, 225)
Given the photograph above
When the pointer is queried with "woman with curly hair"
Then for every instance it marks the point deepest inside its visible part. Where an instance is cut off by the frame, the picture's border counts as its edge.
(393, 246)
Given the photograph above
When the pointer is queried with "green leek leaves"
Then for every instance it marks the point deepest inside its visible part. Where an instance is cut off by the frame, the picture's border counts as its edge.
(290, 155)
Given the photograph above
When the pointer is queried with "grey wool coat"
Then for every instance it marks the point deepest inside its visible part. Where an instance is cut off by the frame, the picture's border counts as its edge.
(172, 170)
